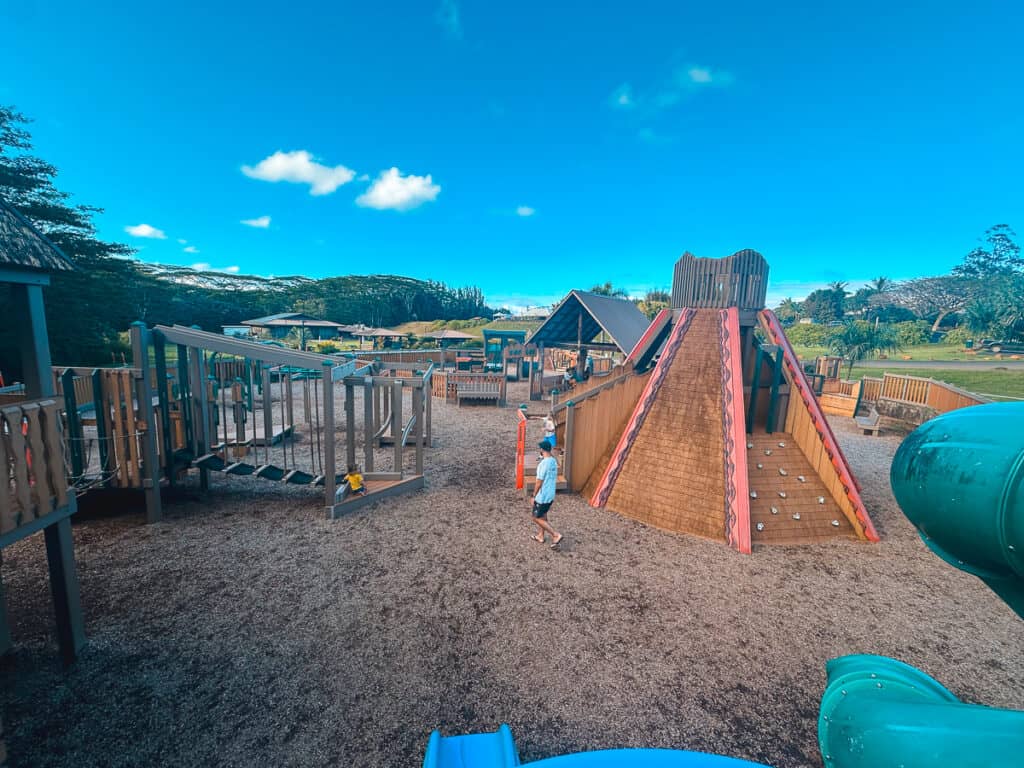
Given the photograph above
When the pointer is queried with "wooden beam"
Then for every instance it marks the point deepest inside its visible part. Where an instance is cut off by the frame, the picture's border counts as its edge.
(330, 467)
(60, 555)
(144, 397)
(28, 313)
(396, 422)
(368, 425)
(351, 505)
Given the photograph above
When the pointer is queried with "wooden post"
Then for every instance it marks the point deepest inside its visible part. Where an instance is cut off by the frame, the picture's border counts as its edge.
(755, 383)
(144, 396)
(33, 342)
(368, 424)
(570, 427)
(5, 627)
(159, 348)
(74, 430)
(429, 395)
(200, 410)
(350, 425)
(330, 469)
(268, 412)
(418, 412)
(773, 400)
(185, 396)
(60, 554)
(396, 422)
(376, 408)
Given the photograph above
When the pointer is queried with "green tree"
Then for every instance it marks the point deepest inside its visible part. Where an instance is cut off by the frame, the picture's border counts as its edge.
(858, 339)
(824, 305)
(607, 289)
(314, 307)
(788, 311)
(1002, 257)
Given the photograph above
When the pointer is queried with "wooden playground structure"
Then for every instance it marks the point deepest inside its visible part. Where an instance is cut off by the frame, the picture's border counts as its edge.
(239, 408)
(710, 427)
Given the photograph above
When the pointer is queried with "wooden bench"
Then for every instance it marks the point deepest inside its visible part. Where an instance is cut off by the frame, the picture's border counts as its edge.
(479, 390)
(870, 423)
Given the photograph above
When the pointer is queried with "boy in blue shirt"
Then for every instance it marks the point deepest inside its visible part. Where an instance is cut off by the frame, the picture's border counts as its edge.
(544, 494)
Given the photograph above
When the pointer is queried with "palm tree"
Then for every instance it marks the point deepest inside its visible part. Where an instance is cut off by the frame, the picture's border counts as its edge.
(880, 284)
(838, 285)
(859, 339)
(608, 290)
(788, 310)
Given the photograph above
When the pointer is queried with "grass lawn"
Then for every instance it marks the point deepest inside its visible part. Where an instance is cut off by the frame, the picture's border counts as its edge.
(1000, 385)
(426, 326)
(920, 352)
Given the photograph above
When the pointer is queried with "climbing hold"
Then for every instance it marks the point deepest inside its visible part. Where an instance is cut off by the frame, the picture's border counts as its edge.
(760, 526)
(801, 478)
(796, 515)
(821, 499)
(767, 451)
(750, 445)
(753, 494)
(781, 444)
(775, 510)
(760, 465)
(782, 471)
(782, 494)
(835, 523)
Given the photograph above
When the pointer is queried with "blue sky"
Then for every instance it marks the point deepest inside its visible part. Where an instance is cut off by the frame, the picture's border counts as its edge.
(535, 147)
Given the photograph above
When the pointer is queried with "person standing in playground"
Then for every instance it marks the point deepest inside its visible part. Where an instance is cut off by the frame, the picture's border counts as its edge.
(549, 431)
(544, 495)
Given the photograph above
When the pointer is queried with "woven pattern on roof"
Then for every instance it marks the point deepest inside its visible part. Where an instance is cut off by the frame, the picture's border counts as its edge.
(22, 245)
(290, 319)
(619, 318)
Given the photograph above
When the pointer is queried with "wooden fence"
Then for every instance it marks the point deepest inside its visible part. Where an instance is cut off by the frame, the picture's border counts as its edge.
(840, 398)
(34, 483)
(445, 384)
(915, 390)
(592, 424)
(581, 388)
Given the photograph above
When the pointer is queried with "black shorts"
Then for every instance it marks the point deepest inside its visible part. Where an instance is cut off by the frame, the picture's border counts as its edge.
(541, 510)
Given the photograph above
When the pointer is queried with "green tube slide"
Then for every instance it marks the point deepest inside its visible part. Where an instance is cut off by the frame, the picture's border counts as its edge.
(959, 479)
(881, 713)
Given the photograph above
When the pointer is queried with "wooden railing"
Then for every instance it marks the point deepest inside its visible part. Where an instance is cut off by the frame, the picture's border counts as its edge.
(915, 390)
(445, 384)
(33, 483)
(596, 381)
(840, 387)
(594, 422)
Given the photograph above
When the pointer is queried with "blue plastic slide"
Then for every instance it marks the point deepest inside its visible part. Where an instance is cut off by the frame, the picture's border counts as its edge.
(497, 750)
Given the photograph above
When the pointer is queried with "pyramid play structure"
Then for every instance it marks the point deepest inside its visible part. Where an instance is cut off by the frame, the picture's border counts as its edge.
(727, 440)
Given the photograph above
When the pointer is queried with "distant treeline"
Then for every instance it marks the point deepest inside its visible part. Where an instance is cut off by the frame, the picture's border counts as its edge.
(89, 310)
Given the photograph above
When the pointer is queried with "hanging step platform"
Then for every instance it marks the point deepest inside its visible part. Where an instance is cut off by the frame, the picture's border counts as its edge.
(239, 468)
(270, 472)
(298, 477)
(210, 461)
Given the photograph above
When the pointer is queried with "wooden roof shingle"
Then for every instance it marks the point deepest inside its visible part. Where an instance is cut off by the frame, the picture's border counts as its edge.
(25, 247)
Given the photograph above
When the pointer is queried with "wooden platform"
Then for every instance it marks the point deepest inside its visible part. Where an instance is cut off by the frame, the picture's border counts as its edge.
(816, 520)
(377, 490)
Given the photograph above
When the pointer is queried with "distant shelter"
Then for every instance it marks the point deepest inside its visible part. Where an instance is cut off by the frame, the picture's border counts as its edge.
(280, 325)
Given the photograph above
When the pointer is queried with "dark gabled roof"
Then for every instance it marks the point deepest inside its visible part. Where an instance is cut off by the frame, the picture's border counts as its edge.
(288, 319)
(619, 318)
(22, 245)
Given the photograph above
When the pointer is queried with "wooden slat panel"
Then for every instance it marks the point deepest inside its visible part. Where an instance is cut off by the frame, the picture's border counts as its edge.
(135, 422)
(56, 475)
(8, 518)
(22, 492)
(37, 471)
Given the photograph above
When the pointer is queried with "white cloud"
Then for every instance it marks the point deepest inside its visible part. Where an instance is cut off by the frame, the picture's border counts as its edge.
(182, 241)
(363, 177)
(145, 230)
(447, 15)
(300, 167)
(622, 97)
(525, 210)
(261, 222)
(391, 190)
(203, 266)
(699, 75)
(191, 249)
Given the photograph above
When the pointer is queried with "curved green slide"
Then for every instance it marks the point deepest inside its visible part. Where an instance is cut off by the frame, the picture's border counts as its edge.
(959, 479)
